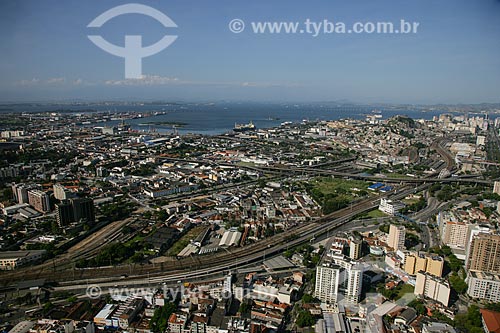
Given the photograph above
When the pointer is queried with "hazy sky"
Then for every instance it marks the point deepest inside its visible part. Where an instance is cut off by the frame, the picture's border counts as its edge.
(454, 57)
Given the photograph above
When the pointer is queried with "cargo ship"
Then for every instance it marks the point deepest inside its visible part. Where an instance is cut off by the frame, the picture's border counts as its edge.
(244, 127)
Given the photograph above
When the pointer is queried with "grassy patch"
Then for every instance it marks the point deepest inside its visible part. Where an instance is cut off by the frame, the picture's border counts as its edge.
(396, 175)
(405, 289)
(335, 193)
(374, 214)
(185, 240)
(339, 186)
(409, 202)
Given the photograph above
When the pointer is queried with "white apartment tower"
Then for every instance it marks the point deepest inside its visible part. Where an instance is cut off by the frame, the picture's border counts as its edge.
(328, 279)
(354, 283)
(496, 187)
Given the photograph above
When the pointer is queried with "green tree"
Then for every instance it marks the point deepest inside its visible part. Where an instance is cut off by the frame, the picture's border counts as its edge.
(307, 298)
(72, 299)
(384, 228)
(159, 321)
(47, 307)
(458, 283)
(493, 307)
(245, 308)
(305, 319)
(418, 305)
(469, 322)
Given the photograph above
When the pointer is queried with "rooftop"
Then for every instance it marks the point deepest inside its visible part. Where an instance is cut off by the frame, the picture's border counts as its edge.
(491, 319)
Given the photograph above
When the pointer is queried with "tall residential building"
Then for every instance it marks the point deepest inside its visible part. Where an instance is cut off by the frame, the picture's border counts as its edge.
(83, 209)
(354, 283)
(355, 247)
(484, 253)
(396, 239)
(64, 213)
(435, 265)
(432, 287)
(474, 230)
(339, 276)
(39, 200)
(416, 262)
(20, 191)
(496, 187)
(75, 210)
(328, 279)
(60, 192)
(455, 234)
(420, 264)
(410, 262)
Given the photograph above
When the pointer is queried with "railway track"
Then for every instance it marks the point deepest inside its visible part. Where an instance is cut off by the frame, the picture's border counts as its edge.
(303, 232)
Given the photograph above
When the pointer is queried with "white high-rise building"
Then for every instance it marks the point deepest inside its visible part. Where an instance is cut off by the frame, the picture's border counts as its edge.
(341, 276)
(354, 283)
(328, 279)
(39, 200)
(496, 188)
(20, 191)
(60, 192)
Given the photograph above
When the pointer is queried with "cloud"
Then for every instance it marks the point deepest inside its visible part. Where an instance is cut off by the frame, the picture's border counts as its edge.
(55, 80)
(269, 84)
(156, 80)
(149, 80)
(145, 80)
(33, 81)
(38, 82)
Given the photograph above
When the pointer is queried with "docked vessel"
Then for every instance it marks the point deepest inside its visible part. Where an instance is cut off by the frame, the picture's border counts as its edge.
(244, 127)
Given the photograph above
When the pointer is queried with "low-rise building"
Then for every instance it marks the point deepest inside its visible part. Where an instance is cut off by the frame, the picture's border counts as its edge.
(12, 259)
(390, 207)
(435, 327)
(490, 320)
